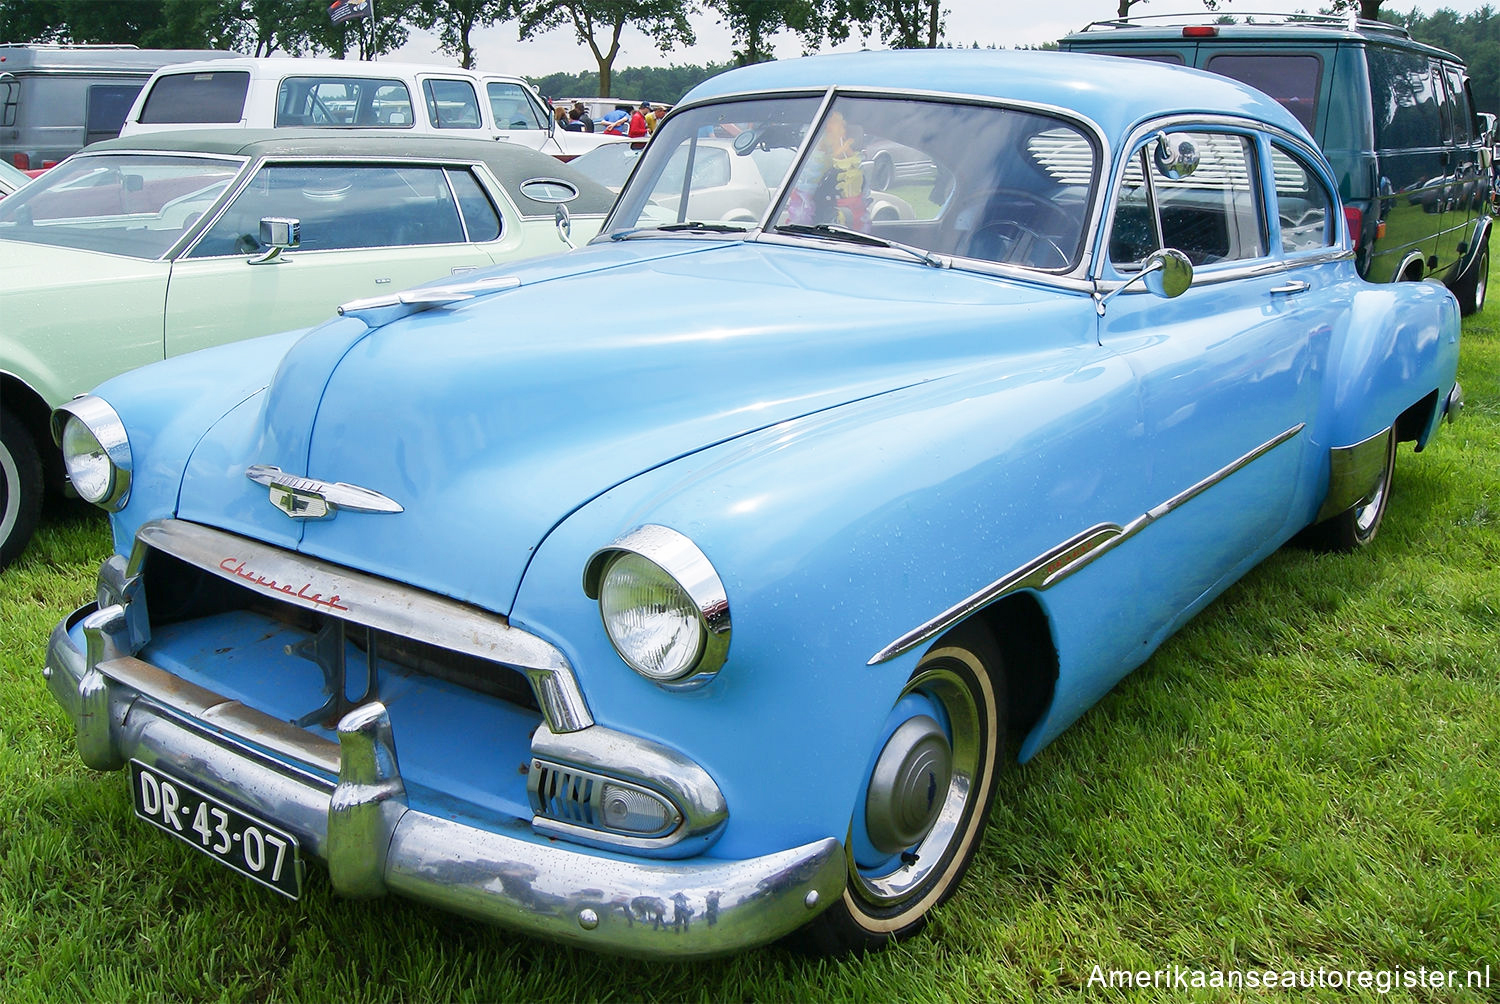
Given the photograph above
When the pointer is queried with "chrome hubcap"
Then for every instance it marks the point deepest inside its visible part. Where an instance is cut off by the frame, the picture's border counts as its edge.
(908, 785)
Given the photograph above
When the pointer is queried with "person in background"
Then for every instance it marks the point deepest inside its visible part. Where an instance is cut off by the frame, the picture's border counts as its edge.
(638, 120)
(580, 115)
(617, 120)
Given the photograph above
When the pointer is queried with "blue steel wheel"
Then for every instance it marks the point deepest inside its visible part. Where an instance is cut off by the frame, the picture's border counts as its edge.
(921, 811)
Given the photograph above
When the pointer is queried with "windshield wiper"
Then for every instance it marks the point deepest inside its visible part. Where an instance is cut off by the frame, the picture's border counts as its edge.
(690, 226)
(830, 231)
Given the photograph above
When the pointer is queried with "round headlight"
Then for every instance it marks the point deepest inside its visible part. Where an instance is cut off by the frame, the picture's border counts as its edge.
(651, 620)
(96, 453)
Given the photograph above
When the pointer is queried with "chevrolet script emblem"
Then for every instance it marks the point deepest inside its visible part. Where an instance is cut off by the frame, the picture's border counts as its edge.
(309, 498)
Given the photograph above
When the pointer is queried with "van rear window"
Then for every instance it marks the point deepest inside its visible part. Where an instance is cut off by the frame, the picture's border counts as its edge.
(108, 104)
(208, 96)
(1291, 79)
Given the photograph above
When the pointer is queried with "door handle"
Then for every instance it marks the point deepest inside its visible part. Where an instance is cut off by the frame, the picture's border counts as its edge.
(1294, 286)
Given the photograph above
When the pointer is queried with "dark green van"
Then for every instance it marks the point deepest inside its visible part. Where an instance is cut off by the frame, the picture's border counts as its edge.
(1394, 117)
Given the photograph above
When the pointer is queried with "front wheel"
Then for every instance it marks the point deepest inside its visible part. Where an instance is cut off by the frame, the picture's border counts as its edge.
(20, 487)
(921, 812)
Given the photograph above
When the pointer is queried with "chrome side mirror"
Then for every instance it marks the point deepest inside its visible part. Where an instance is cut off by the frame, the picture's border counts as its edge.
(1168, 273)
(277, 234)
(1176, 156)
(557, 192)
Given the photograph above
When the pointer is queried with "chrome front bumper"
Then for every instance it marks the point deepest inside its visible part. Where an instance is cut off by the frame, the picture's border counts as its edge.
(346, 803)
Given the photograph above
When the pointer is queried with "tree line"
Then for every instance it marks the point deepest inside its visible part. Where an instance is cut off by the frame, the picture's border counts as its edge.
(303, 27)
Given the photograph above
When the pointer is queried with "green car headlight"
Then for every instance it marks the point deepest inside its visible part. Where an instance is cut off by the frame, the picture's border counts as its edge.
(662, 604)
(96, 451)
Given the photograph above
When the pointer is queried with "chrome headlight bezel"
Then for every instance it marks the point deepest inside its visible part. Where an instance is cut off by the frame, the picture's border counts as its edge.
(94, 416)
(682, 562)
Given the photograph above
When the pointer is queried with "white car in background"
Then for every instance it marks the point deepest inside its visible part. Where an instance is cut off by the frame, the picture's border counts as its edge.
(281, 92)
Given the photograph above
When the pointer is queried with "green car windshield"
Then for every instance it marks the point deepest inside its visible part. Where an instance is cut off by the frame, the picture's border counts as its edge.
(134, 205)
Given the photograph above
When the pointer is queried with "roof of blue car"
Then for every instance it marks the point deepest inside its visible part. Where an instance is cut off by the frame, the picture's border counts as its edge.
(1114, 92)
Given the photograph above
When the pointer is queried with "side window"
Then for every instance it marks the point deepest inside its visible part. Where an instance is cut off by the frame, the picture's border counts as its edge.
(1212, 215)
(513, 107)
(343, 101)
(1463, 112)
(10, 97)
(451, 104)
(481, 221)
(1303, 205)
(209, 96)
(340, 207)
(1403, 101)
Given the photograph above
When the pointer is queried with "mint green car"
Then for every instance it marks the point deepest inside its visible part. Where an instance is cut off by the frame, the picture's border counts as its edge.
(156, 245)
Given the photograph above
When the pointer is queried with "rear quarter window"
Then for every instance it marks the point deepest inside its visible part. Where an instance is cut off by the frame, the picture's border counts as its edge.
(1405, 104)
(216, 96)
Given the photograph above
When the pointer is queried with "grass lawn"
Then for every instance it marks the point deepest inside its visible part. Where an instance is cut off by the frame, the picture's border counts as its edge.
(1307, 776)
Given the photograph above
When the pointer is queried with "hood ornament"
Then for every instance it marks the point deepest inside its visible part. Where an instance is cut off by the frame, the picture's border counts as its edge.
(309, 498)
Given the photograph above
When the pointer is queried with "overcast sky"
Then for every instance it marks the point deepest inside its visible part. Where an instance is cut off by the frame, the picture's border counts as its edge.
(1005, 23)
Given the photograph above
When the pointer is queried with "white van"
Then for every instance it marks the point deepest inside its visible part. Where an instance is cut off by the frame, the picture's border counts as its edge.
(337, 93)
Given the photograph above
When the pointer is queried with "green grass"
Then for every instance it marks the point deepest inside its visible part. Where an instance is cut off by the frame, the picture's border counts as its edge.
(1307, 776)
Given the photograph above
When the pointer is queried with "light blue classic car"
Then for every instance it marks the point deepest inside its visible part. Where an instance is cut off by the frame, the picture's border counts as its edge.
(676, 629)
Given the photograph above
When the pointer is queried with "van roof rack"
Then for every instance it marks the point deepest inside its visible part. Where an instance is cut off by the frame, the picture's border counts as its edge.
(1252, 19)
(67, 45)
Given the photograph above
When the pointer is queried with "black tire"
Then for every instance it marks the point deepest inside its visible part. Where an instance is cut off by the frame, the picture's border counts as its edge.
(1357, 525)
(20, 487)
(1471, 289)
(892, 899)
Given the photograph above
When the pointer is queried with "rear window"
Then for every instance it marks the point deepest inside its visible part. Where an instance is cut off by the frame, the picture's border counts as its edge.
(209, 96)
(108, 104)
(1291, 79)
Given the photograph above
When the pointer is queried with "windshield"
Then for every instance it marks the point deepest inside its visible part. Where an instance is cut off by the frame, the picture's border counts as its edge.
(971, 181)
(128, 204)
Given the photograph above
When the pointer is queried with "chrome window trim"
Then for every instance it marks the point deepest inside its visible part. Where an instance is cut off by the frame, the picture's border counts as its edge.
(377, 603)
(1057, 563)
(1254, 130)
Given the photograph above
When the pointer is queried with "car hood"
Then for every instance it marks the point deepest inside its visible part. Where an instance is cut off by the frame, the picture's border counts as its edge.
(491, 421)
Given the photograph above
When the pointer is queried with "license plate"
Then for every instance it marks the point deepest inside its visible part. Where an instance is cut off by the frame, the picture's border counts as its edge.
(249, 845)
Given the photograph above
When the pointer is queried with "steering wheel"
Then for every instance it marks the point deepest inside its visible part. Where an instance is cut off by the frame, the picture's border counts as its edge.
(1019, 235)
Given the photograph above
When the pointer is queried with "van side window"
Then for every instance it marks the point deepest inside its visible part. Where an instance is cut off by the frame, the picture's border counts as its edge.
(10, 97)
(1212, 215)
(1292, 80)
(1302, 204)
(1404, 103)
(208, 96)
(513, 108)
(1458, 101)
(451, 104)
(339, 207)
(343, 101)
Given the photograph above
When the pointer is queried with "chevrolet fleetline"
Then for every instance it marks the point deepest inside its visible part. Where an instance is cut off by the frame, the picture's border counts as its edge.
(676, 629)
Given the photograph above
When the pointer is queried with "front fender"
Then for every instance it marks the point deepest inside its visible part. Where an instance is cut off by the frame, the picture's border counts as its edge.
(168, 406)
(835, 534)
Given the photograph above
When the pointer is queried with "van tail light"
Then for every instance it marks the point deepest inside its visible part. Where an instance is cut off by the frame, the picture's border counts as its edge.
(21, 160)
(1356, 223)
(1200, 31)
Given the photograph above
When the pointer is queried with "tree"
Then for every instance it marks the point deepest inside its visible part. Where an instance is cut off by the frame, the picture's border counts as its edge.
(900, 24)
(751, 24)
(665, 22)
(1368, 9)
(455, 22)
(165, 24)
